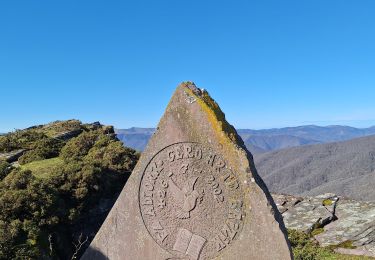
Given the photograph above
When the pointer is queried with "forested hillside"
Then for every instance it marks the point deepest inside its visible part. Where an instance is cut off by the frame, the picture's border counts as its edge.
(344, 168)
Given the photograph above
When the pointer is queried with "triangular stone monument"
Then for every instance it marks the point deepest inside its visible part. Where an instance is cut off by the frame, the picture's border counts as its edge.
(194, 194)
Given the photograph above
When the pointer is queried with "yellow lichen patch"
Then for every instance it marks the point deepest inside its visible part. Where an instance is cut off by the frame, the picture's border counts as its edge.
(327, 202)
(215, 116)
(225, 133)
(227, 128)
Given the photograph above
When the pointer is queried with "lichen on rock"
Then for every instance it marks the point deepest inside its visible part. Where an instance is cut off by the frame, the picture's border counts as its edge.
(215, 114)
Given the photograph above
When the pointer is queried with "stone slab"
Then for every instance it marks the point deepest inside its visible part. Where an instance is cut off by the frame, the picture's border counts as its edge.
(194, 194)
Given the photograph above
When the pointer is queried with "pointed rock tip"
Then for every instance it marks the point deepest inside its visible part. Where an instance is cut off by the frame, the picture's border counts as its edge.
(191, 85)
(214, 108)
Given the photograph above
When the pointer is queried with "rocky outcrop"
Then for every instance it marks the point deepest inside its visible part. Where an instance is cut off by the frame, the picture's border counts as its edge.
(12, 156)
(345, 224)
(67, 135)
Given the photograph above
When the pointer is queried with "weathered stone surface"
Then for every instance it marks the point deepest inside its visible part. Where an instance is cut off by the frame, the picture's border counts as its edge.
(194, 194)
(67, 135)
(344, 221)
(356, 223)
(305, 214)
(12, 156)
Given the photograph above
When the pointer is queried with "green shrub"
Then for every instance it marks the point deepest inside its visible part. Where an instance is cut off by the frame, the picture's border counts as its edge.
(20, 139)
(79, 146)
(111, 154)
(5, 169)
(43, 149)
(96, 165)
(28, 206)
(305, 248)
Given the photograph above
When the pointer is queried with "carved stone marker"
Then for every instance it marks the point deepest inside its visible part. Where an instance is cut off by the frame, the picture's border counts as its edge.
(194, 194)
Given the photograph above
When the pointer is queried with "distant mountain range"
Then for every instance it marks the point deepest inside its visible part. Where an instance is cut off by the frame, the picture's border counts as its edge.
(135, 137)
(346, 168)
(265, 140)
(303, 160)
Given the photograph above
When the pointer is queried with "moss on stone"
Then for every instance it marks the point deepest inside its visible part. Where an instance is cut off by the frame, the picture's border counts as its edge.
(307, 248)
(346, 244)
(317, 231)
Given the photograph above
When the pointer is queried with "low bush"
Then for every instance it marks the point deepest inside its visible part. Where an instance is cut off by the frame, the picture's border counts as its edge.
(43, 149)
(5, 169)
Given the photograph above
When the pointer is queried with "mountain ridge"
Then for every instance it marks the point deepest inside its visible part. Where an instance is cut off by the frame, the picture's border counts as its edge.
(346, 168)
(265, 140)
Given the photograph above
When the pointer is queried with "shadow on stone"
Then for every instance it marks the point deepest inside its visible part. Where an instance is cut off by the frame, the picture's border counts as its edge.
(263, 186)
(93, 253)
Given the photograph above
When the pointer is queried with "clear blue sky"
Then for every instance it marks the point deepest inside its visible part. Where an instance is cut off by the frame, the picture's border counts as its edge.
(267, 63)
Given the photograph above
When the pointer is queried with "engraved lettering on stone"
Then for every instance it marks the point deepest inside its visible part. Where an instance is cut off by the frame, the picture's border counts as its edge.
(211, 159)
(231, 181)
(162, 202)
(159, 231)
(216, 191)
(191, 202)
(184, 168)
(198, 153)
(219, 244)
(219, 165)
(171, 156)
(228, 233)
(180, 153)
(188, 151)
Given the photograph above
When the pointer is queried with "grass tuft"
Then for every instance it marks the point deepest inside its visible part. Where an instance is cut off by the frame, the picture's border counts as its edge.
(306, 248)
(43, 168)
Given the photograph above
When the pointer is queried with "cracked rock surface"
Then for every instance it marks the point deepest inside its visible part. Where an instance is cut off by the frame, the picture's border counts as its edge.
(341, 220)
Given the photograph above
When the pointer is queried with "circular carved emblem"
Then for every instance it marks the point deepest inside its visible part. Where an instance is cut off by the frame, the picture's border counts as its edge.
(190, 201)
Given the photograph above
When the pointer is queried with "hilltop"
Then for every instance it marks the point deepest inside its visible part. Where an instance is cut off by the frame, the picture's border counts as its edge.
(41, 141)
(57, 184)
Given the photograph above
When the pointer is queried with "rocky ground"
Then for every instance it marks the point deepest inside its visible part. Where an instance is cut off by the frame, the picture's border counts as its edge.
(345, 224)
